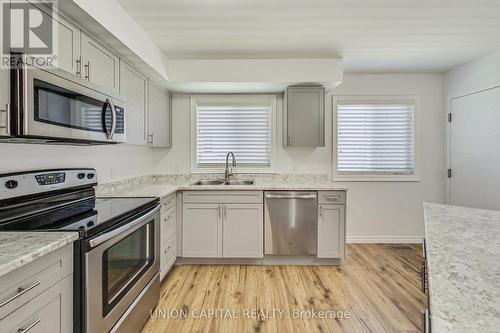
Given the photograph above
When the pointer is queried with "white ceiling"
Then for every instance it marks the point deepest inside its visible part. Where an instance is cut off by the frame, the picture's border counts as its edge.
(371, 35)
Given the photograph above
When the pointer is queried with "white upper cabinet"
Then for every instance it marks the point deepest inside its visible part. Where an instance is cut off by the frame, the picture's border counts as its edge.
(4, 99)
(134, 87)
(304, 117)
(160, 117)
(242, 231)
(99, 65)
(68, 56)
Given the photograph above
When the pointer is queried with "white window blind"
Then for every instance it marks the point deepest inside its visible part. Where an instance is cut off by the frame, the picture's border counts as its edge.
(244, 130)
(375, 138)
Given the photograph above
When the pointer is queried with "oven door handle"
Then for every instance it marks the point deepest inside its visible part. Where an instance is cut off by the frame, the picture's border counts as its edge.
(116, 232)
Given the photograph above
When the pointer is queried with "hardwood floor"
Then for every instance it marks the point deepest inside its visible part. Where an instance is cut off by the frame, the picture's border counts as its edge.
(376, 287)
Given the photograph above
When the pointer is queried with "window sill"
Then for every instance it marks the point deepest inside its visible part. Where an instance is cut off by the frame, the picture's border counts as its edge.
(376, 179)
(236, 171)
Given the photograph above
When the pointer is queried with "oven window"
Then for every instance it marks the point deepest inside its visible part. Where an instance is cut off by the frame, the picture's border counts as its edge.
(124, 263)
(59, 106)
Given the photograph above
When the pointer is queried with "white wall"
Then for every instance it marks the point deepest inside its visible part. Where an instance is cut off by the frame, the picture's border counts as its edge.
(376, 210)
(112, 162)
(482, 73)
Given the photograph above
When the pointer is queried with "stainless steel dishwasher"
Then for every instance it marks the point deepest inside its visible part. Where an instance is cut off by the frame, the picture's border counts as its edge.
(291, 222)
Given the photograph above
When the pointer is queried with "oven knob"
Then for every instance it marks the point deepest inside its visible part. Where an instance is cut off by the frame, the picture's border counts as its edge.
(11, 184)
(81, 227)
(90, 175)
(81, 175)
(90, 223)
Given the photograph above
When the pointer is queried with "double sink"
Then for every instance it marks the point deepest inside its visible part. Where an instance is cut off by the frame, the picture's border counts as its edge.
(224, 182)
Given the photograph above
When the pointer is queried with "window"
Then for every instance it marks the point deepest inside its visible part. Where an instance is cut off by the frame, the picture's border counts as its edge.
(375, 138)
(241, 125)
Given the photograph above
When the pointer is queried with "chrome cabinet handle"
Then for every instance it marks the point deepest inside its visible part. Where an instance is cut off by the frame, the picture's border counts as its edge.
(29, 327)
(20, 291)
(110, 134)
(79, 66)
(87, 70)
(151, 138)
(332, 198)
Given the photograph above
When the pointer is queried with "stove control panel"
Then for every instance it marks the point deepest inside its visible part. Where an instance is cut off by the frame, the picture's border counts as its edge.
(20, 184)
(51, 178)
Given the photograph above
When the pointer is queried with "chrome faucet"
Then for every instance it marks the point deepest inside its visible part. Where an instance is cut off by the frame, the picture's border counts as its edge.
(227, 173)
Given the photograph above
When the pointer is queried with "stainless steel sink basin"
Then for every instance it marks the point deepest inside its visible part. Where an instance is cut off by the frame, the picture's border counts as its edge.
(210, 182)
(222, 182)
(239, 182)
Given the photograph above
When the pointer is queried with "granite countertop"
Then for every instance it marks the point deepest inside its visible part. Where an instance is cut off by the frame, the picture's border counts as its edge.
(463, 257)
(20, 248)
(161, 190)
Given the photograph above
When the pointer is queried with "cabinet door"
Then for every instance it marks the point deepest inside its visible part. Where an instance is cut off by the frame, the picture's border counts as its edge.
(100, 65)
(160, 117)
(304, 117)
(242, 231)
(68, 56)
(134, 87)
(4, 99)
(51, 311)
(202, 231)
(68, 41)
(331, 231)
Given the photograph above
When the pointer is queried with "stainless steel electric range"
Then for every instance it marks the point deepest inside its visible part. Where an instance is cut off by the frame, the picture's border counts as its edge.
(116, 258)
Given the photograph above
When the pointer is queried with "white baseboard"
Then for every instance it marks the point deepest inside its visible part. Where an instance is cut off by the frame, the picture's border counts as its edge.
(385, 239)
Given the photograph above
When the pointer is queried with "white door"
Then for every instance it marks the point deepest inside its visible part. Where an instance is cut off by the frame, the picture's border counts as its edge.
(160, 117)
(331, 231)
(202, 231)
(242, 231)
(475, 150)
(100, 65)
(134, 87)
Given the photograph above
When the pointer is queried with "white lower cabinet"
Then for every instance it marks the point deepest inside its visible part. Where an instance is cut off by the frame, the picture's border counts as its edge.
(222, 224)
(38, 297)
(202, 231)
(168, 234)
(331, 231)
(51, 311)
(242, 231)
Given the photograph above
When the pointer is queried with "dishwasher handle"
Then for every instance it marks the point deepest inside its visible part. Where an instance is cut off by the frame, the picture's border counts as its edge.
(291, 196)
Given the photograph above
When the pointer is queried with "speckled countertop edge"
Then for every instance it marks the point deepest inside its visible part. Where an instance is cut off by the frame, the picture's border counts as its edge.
(21, 248)
(463, 247)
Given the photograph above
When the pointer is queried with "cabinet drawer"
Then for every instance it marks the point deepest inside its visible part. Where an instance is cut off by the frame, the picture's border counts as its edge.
(51, 311)
(222, 197)
(168, 221)
(167, 202)
(332, 197)
(23, 284)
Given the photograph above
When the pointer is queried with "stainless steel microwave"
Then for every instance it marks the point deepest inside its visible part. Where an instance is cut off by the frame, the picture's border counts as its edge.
(55, 106)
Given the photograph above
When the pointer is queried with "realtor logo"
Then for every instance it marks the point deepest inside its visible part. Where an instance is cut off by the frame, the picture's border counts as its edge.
(28, 29)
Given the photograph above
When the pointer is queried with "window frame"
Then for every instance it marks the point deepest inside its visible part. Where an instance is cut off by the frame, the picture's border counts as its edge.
(377, 177)
(240, 100)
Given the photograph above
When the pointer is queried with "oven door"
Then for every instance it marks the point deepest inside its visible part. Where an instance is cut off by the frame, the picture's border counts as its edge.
(119, 265)
(55, 104)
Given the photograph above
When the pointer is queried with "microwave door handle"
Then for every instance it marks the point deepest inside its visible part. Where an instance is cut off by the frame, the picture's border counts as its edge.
(110, 134)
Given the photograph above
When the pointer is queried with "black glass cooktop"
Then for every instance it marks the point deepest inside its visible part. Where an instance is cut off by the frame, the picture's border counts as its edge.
(86, 214)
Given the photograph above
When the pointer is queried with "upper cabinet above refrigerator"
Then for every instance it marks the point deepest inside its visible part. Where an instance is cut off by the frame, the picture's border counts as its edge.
(304, 116)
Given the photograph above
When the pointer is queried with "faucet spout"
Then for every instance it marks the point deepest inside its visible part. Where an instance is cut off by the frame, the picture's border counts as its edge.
(228, 173)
